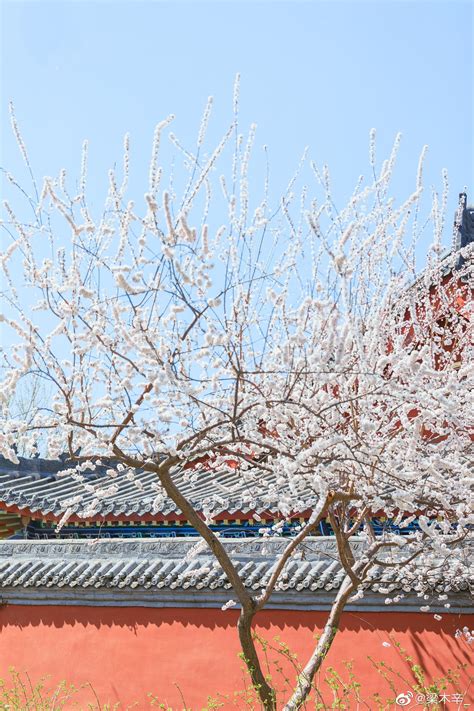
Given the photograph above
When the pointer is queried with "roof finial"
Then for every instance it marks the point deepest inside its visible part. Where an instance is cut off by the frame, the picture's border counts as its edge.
(463, 226)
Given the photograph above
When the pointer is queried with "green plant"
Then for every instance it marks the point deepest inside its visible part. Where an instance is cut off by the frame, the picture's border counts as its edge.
(426, 691)
(333, 689)
(20, 693)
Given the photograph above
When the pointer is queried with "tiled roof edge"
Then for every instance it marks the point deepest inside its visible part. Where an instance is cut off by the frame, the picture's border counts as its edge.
(460, 603)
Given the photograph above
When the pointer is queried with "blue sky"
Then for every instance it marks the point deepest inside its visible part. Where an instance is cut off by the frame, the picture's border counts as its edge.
(313, 73)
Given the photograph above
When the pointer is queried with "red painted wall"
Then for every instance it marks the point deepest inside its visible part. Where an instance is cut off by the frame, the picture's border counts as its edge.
(127, 652)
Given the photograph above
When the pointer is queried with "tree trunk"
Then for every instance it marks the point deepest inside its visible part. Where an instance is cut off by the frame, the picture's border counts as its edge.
(248, 605)
(260, 684)
(305, 679)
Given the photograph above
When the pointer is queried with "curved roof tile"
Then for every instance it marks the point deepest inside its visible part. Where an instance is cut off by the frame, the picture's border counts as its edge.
(176, 564)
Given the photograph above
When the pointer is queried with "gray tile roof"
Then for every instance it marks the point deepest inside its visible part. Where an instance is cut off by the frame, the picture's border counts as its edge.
(180, 565)
(40, 486)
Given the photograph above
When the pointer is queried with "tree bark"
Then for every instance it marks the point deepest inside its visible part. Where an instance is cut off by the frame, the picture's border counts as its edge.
(305, 679)
(259, 683)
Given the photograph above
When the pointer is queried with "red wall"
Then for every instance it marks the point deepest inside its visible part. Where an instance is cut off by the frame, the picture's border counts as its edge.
(129, 651)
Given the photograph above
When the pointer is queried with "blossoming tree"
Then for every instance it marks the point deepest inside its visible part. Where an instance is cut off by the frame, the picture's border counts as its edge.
(290, 339)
